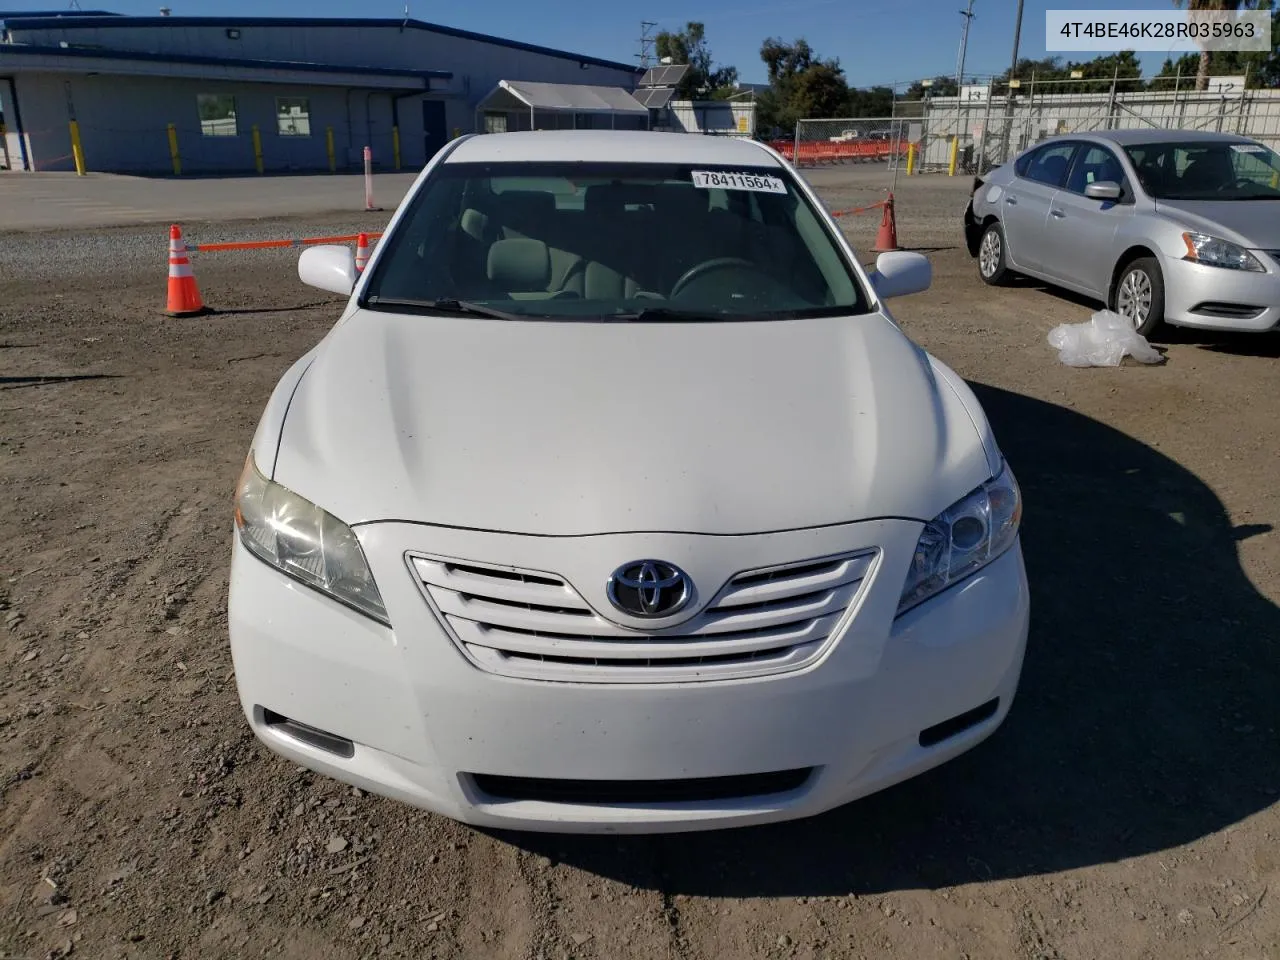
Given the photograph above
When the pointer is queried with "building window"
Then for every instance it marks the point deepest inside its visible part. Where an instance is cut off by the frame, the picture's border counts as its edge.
(495, 123)
(217, 114)
(293, 116)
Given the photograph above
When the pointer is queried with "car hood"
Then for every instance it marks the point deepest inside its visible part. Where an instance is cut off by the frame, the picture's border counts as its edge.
(566, 428)
(1251, 223)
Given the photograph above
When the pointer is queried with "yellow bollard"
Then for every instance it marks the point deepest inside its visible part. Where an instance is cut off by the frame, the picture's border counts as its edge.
(77, 150)
(173, 151)
(333, 158)
(257, 148)
(395, 145)
(955, 152)
(911, 158)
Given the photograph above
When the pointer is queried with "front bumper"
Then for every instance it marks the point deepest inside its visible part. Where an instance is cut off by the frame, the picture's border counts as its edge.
(420, 722)
(1218, 299)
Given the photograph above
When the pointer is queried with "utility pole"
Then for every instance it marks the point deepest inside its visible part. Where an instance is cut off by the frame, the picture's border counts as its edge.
(646, 43)
(964, 44)
(1017, 35)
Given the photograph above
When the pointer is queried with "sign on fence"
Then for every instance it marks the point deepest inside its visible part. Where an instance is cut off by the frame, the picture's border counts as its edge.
(975, 93)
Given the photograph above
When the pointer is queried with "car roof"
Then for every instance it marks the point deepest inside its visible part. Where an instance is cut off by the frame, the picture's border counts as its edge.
(612, 146)
(1130, 137)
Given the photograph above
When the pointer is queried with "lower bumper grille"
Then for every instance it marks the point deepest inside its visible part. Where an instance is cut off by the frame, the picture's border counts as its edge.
(1230, 311)
(535, 625)
(701, 789)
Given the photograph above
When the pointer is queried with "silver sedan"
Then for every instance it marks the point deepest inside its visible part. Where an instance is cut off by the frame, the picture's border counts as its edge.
(1163, 226)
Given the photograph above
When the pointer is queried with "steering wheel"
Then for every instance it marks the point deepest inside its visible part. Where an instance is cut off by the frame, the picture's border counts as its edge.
(1237, 183)
(700, 270)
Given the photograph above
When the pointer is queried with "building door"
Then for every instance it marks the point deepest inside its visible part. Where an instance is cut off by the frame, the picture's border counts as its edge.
(434, 131)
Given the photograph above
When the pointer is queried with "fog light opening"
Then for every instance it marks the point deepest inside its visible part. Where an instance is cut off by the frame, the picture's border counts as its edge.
(959, 724)
(305, 733)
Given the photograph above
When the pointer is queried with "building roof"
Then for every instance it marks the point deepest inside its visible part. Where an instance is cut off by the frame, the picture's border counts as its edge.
(561, 98)
(29, 14)
(81, 58)
(611, 146)
(97, 19)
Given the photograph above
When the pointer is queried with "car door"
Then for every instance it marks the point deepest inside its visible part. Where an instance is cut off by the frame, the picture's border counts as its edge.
(1080, 234)
(1025, 206)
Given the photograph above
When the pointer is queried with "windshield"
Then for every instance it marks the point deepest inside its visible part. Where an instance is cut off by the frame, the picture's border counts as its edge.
(1207, 170)
(620, 241)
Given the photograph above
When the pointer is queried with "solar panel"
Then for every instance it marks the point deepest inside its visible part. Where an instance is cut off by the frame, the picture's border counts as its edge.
(666, 75)
(654, 97)
(674, 74)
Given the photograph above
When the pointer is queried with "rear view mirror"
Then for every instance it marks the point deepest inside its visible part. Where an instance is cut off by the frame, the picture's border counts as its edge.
(901, 272)
(330, 267)
(1103, 190)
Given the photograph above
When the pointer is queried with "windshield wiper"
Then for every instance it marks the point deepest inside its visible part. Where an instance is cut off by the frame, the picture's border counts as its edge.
(658, 314)
(445, 306)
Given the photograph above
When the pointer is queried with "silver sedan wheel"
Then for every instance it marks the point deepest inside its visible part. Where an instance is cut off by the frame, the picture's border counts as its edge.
(1133, 299)
(989, 253)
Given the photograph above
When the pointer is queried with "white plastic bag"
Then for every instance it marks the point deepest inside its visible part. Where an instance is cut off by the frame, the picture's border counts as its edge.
(1102, 341)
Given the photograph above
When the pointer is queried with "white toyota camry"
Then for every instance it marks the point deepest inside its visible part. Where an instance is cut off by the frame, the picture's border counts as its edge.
(616, 500)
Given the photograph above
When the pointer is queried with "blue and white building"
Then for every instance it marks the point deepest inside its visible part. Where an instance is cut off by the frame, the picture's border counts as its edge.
(148, 95)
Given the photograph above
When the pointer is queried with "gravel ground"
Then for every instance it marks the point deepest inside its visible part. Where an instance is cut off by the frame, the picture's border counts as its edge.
(1128, 808)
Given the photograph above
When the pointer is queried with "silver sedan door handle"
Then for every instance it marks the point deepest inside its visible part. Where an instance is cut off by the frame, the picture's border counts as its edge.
(1057, 213)
(1012, 201)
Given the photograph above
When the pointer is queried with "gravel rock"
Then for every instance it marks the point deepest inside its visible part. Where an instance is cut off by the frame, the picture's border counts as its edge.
(336, 845)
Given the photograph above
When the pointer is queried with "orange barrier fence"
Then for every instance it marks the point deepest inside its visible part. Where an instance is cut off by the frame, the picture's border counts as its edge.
(270, 244)
(853, 211)
(816, 152)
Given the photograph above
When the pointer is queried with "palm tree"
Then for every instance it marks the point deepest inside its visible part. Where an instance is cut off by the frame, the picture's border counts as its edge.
(1202, 72)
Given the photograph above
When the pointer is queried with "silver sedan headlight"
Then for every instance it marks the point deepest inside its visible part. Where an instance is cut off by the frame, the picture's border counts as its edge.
(964, 538)
(303, 541)
(1214, 252)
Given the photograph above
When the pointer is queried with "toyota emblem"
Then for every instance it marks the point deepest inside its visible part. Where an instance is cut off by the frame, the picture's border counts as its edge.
(650, 589)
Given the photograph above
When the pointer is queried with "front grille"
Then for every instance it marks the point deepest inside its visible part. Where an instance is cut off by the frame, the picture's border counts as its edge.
(535, 625)
(693, 790)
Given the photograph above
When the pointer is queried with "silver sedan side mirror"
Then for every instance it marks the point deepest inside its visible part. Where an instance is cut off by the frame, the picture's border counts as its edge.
(1103, 190)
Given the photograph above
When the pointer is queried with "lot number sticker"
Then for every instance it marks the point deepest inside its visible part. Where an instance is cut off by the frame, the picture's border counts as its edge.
(761, 183)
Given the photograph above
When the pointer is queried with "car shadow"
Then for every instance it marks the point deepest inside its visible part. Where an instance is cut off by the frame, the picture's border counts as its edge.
(1021, 282)
(1237, 344)
(1146, 718)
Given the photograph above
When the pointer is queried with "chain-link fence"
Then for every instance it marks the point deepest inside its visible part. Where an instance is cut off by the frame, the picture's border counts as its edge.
(990, 123)
(879, 141)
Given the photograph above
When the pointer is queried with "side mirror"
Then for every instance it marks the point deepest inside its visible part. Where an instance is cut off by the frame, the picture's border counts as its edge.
(900, 273)
(330, 267)
(1103, 190)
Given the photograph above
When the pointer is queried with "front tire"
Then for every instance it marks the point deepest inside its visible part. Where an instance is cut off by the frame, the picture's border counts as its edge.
(992, 262)
(1138, 295)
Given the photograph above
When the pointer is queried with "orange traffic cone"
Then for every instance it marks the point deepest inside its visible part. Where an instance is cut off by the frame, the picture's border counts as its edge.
(184, 296)
(887, 238)
(362, 252)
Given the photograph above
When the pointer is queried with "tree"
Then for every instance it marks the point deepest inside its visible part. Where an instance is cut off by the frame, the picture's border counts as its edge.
(1208, 8)
(704, 80)
(940, 87)
(1101, 69)
(1260, 68)
(875, 102)
(801, 86)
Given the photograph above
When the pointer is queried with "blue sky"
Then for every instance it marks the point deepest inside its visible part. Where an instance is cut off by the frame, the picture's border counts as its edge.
(876, 41)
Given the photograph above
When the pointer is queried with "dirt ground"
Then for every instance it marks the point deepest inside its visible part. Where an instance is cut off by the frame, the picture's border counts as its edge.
(1127, 809)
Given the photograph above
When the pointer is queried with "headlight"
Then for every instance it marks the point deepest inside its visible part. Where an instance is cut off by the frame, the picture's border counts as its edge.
(1212, 252)
(964, 538)
(302, 540)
